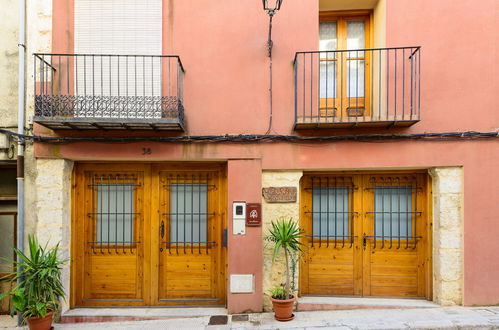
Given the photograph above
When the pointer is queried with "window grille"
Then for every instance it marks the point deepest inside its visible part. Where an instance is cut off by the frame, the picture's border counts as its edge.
(332, 211)
(115, 216)
(394, 212)
(188, 213)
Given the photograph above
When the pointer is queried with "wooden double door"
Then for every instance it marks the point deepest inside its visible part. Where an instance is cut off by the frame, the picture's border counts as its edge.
(148, 235)
(366, 234)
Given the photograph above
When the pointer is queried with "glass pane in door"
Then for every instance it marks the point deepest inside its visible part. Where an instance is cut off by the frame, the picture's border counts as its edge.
(356, 62)
(330, 206)
(328, 41)
(115, 213)
(393, 211)
(189, 213)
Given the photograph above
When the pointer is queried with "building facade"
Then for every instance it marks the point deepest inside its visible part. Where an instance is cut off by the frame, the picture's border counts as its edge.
(373, 125)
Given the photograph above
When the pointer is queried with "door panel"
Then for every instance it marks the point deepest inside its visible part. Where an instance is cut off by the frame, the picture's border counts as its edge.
(377, 244)
(112, 237)
(148, 235)
(190, 237)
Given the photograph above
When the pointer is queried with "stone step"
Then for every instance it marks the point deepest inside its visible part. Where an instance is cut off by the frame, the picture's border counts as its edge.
(83, 315)
(316, 303)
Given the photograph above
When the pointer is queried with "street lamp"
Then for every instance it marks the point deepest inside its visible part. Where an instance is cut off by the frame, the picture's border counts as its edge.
(271, 7)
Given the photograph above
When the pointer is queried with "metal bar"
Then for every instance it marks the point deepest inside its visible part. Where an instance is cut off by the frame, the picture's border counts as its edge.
(207, 203)
(383, 218)
(311, 87)
(341, 88)
(116, 216)
(403, 84)
(327, 105)
(379, 83)
(192, 212)
(398, 211)
(313, 227)
(132, 217)
(395, 87)
(108, 211)
(185, 199)
(199, 214)
(176, 216)
(123, 215)
(335, 209)
(374, 207)
(304, 97)
(419, 85)
(391, 213)
(360, 49)
(295, 69)
(327, 184)
(42, 58)
(387, 84)
(320, 208)
(413, 216)
(144, 83)
(343, 216)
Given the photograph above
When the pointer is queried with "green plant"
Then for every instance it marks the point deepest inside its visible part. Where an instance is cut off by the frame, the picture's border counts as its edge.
(285, 234)
(277, 292)
(39, 289)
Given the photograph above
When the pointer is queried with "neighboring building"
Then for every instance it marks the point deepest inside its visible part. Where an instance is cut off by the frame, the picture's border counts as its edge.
(148, 110)
(8, 146)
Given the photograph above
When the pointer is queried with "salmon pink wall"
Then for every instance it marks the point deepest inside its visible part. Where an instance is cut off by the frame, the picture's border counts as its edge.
(245, 251)
(223, 47)
(460, 92)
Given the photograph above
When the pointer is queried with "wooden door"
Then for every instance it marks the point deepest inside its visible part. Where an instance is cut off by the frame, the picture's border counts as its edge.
(366, 235)
(188, 240)
(344, 75)
(110, 234)
(147, 234)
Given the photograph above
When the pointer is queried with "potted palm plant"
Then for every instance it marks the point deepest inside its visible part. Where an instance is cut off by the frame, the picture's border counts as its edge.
(37, 294)
(284, 234)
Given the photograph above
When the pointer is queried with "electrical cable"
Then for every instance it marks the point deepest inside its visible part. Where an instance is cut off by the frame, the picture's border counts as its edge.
(255, 138)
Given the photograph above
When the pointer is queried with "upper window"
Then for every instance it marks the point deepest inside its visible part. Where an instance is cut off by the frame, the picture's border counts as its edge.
(343, 77)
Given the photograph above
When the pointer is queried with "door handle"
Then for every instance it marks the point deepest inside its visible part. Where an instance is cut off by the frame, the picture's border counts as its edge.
(364, 241)
(224, 238)
(162, 234)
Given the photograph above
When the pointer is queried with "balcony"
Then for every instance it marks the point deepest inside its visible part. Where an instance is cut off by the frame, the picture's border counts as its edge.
(109, 92)
(377, 87)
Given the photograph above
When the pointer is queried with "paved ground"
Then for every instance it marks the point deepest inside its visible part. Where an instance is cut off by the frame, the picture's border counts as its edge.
(421, 318)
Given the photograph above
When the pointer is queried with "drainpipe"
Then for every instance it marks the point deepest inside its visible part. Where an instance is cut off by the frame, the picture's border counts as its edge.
(21, 89)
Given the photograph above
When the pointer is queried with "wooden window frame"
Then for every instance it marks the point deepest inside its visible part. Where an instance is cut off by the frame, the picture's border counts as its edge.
(343, 106)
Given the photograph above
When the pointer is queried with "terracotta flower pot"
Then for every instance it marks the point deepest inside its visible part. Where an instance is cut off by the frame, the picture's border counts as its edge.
(283, 309)
(41, 323)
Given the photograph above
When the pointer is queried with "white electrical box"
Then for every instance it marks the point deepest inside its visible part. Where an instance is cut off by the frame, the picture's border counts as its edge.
(239, 218)
(242, 283)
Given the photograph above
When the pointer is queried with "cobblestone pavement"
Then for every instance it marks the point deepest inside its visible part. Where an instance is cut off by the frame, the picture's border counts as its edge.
(421, 318)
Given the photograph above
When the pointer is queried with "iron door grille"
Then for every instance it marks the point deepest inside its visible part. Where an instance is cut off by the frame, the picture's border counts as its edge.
(331, 211)
(394, 212)
(114, 216)
(185, 223)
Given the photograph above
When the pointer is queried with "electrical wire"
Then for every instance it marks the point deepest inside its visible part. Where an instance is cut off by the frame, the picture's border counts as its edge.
(256, 138)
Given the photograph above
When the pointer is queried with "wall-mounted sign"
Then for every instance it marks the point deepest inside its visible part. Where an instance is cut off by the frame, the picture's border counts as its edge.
(253, 214)
(279, 194)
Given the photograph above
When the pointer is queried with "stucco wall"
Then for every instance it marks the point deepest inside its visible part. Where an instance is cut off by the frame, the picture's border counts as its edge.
(274, 271)
(9, 22)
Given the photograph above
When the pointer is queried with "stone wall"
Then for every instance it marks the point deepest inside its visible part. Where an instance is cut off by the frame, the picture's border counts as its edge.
(273, 272)
(448, 248)
(53, 210)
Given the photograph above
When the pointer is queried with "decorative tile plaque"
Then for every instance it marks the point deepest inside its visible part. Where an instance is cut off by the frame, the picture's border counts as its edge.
(279, 194)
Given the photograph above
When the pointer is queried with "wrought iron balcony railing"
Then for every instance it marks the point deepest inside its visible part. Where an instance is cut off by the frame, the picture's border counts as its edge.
(91, 91)
(377, 87)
